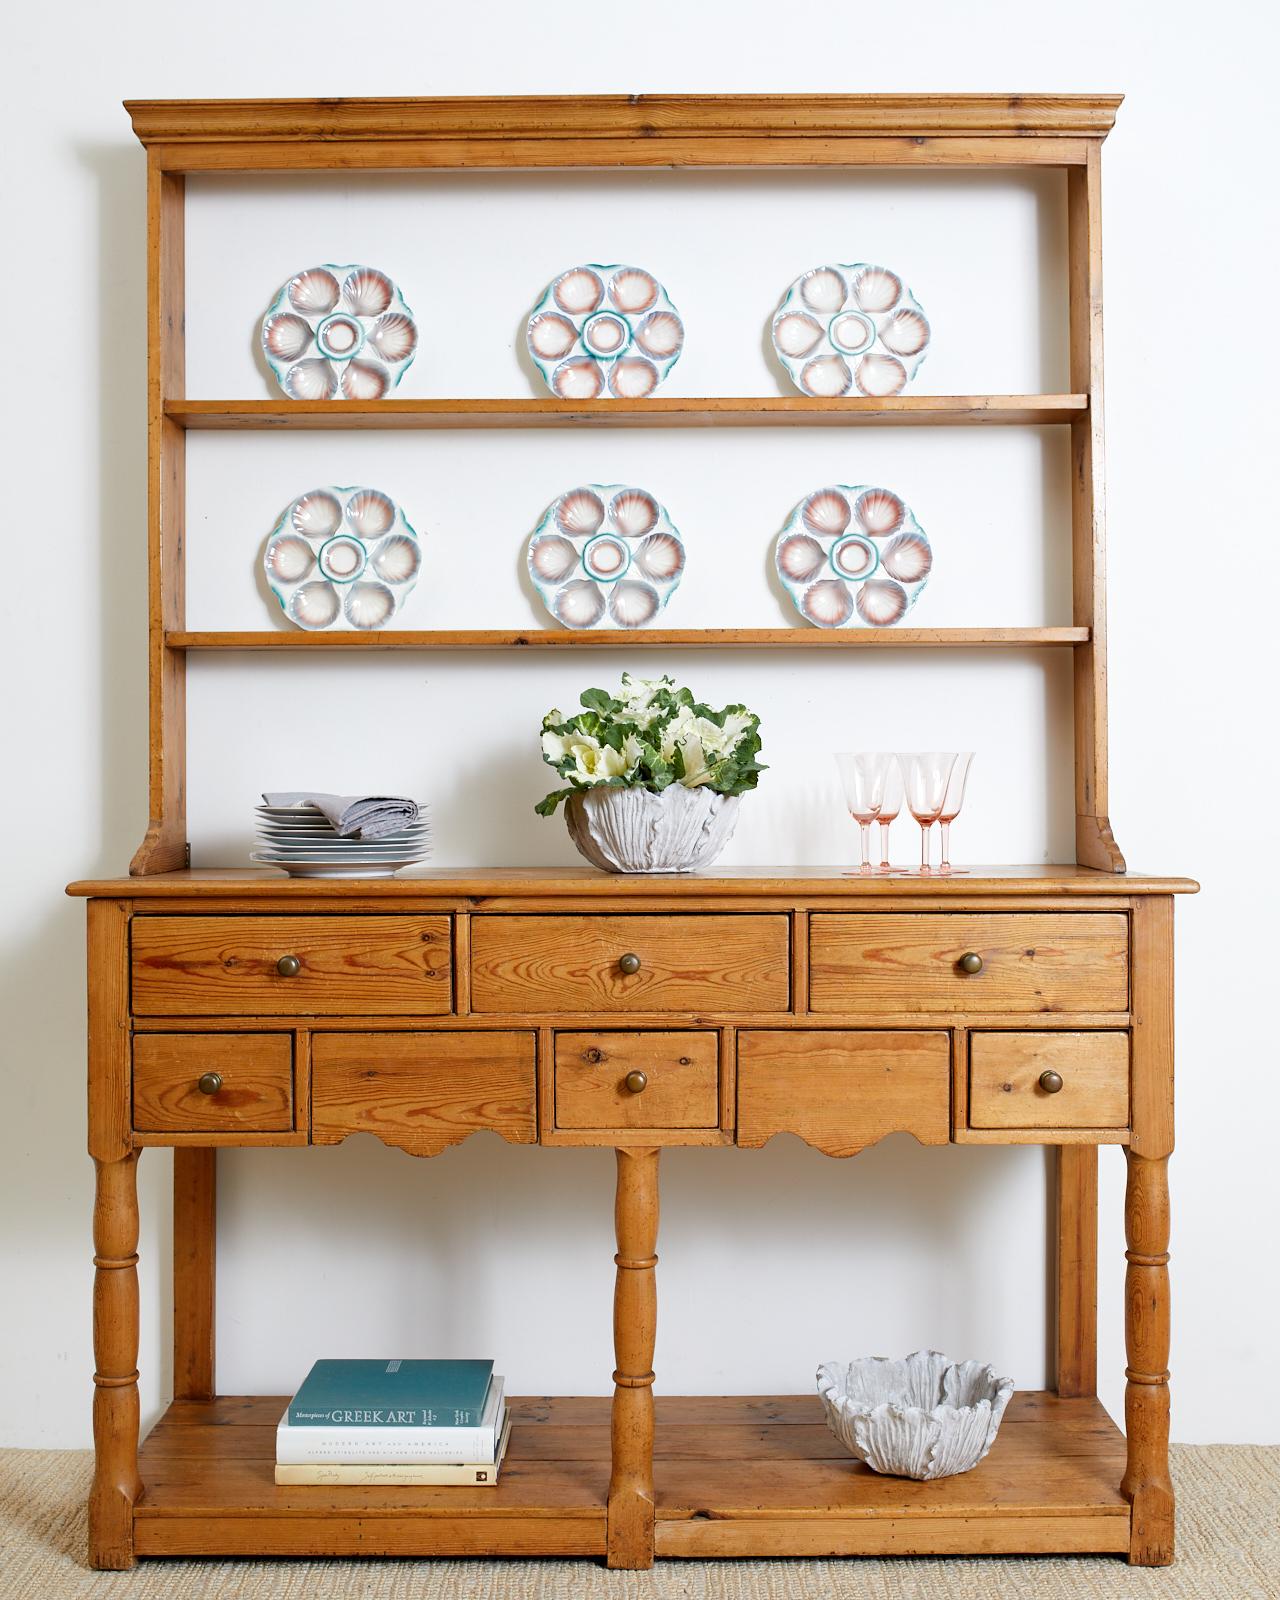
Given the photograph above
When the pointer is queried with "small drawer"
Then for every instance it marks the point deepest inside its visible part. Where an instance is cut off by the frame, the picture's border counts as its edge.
(1049, 1080)
(423, 1092)
(213, 1083)
(558, 965)
(637, 1080)
(291, 966)
(955, 962)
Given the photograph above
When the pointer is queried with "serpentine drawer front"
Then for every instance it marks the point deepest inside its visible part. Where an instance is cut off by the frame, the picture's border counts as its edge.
(213, 1083)
(291, 966)
(1049, 1080)
(556, 965)
(983, 962)
(637, 1080)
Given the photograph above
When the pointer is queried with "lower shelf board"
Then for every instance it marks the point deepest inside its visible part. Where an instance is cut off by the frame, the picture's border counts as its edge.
(739, 1475)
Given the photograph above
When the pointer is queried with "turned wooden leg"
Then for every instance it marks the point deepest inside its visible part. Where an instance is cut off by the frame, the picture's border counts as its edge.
(195, 1196)
(635, 1313)
(1146, 1482)
(116, 1484)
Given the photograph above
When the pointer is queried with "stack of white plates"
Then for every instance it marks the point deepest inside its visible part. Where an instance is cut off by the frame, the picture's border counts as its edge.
(303, 841)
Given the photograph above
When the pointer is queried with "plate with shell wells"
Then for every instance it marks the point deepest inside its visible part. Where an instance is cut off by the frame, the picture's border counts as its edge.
(605, 555)
(342, 559)
(339, 333)
(852, 329)
(603, 332)
(853, 556)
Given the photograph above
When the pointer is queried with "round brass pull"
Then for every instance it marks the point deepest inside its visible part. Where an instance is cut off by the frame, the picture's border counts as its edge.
(288, 966)
(209, 1082)
(970, 961)
(1051, 1081)
(636, 1081)
(629, 964)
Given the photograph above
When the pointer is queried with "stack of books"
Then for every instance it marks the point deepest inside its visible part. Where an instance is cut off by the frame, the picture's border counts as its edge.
(395, 1422)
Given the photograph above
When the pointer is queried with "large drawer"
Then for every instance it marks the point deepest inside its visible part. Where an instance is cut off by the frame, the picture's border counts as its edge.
(637, 1080)
(423, 1091)
(555, 965)
(213, 1083)
(957, 962)
(291, 966)
(1049, 1080)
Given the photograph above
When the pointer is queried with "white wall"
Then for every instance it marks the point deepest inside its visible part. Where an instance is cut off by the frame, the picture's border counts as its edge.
(506, 1250)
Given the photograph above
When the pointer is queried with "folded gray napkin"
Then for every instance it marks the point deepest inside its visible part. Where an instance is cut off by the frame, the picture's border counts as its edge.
(355, 816)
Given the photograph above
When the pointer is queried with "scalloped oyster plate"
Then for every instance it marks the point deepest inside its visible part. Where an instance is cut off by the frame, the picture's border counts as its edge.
(339, 333)
(604, 333)
(853, 556)
(853, 328)
(605, 555)
(344, 559)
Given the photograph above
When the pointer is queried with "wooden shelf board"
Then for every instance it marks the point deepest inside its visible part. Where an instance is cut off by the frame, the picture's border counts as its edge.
(734, 1475)
(647, 639)
(767, 411)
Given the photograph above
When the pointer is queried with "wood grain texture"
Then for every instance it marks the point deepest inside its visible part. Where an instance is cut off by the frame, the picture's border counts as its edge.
(1004, 1080)
(660, 411)
(256, 1070)
(1153, 1067)
(681, 1069)
(110, 1116)
(116, 1481)
(841, 1091)
(198, 966)
(629, 1540)
(423, 1092)
(797, 638)
(556, 964)
(1146, 1482)
(1076, 1271)
(1029, 963)
(195, 1252)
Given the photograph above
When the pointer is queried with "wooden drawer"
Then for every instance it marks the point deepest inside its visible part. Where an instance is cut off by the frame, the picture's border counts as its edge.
(554, 965)
(680, 1088)
(255, 1094)
(841, 1090)
(423, 1091)
(244, 966)
(1005, 1071)
(912, 963)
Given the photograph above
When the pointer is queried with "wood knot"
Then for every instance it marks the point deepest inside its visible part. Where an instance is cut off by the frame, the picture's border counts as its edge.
(593, 1057)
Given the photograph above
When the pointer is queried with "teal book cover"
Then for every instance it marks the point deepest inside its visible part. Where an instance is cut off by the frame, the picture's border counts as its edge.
(392, 1394)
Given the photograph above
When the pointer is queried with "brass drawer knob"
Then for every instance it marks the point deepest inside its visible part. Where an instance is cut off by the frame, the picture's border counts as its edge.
(209, 1082)
(971, 961)
(288, 966)
(1051, 1081)
(629, 964)
(636, 1081)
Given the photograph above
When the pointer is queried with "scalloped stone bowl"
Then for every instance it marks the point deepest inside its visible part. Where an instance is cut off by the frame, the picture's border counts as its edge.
(636, 830)
(924, 1417)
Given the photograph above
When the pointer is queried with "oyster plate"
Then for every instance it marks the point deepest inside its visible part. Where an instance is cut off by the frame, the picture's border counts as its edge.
(850, 329)
(605, 555)
(342, 558)
(339, 333)
(853, 556)
(604, 332)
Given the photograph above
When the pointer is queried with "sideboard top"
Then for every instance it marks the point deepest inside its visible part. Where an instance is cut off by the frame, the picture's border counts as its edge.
(726, 883)
(612, 117)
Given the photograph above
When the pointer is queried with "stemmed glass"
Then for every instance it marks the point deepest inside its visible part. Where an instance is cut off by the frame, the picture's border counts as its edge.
(926, 774)
(873, 793)
(951, 805)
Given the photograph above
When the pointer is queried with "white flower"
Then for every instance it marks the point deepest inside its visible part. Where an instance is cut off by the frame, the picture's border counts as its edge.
(696, 771)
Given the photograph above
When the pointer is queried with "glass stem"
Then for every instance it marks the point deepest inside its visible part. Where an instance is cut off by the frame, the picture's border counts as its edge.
(865, 829)
(945, 863)
(884, 847)
(924, 846)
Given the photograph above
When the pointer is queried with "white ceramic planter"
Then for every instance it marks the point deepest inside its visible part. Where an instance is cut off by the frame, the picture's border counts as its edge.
(635, 830)
(924, 1417)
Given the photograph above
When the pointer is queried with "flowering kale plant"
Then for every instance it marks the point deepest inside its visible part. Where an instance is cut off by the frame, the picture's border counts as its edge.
(651, 736)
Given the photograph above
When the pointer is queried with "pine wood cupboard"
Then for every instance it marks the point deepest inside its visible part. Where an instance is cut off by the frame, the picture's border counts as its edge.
(1009, 1005)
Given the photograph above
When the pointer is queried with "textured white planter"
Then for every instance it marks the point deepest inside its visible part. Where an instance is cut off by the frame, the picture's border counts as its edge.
(925, 1417)
(635, 830)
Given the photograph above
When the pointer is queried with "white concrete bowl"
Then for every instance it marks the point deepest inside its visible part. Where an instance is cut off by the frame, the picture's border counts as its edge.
(924, 1417)
(635, 830)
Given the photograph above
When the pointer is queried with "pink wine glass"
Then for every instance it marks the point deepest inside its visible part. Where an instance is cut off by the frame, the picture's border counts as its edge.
(951, 804)
(926, 774)
(873, 793)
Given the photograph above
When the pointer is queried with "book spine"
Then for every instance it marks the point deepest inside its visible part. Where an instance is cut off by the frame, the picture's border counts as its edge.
(403, 1473)
(387, 1417)
(300, 1446)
